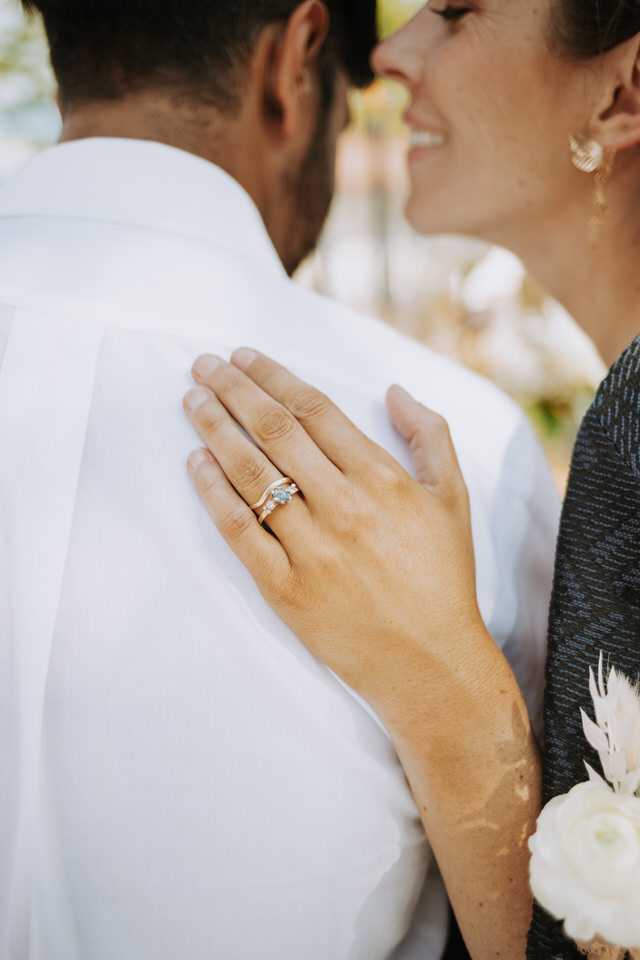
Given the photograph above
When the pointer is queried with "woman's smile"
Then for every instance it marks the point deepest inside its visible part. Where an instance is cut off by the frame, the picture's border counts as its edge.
(424, 144)
(468, 73)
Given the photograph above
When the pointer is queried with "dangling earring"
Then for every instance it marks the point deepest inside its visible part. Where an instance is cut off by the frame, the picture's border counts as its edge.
(590, 157)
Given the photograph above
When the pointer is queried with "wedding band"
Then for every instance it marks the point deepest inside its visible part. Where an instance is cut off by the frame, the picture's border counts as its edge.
(282, 482)
(279, 496)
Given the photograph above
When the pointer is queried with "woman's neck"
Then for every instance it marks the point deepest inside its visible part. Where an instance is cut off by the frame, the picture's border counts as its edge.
(601, 288)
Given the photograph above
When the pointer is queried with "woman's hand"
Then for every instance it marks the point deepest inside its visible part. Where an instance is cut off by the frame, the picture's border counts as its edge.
(375, 573)
(369, 567)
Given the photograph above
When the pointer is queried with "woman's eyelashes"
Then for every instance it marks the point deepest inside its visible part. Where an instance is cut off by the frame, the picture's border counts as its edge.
(451, 13)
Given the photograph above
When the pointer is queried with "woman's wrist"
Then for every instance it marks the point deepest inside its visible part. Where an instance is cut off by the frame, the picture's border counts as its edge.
(432, 675)
(460, 727)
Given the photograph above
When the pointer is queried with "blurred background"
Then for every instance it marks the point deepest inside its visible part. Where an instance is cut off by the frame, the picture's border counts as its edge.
(463, 298)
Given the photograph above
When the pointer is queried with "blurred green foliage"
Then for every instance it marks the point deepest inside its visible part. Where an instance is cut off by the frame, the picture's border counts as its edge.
(27, 86)
(23, 52)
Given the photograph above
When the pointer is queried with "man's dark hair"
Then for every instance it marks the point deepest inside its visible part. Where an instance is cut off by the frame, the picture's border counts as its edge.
(103, 49)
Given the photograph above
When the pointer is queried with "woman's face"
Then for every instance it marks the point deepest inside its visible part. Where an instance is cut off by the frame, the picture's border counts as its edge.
(491, 109)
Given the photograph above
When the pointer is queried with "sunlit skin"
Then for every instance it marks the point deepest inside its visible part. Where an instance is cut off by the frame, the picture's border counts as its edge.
(492, 81)
(470, 79)
(500, 102)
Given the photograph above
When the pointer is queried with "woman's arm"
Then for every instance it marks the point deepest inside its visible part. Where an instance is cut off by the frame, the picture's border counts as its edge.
(465, 741)
(375, 572)
(471, 759)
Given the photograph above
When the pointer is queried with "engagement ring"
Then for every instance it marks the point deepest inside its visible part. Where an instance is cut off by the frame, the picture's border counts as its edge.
(277, 493)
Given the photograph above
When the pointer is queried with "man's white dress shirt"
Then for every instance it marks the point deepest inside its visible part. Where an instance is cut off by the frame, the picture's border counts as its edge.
(179, 777)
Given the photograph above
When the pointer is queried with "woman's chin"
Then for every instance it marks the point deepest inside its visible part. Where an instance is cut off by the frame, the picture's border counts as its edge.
(433, 217)
(427, 217)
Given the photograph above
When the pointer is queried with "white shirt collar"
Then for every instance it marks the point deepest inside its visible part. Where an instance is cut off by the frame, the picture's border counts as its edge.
(141, 184)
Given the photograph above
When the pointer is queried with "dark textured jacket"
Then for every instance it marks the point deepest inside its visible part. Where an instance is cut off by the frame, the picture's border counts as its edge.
(595, 603)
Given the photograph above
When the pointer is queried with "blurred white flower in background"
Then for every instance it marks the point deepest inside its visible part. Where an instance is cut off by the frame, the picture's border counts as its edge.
(529, 344)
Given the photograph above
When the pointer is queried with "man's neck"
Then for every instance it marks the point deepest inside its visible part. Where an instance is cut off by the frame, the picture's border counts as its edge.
(234, 142)
(202, 131)
(141, 117)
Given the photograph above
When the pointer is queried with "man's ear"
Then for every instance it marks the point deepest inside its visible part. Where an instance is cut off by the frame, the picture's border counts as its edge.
(618, 122)
(291, 75)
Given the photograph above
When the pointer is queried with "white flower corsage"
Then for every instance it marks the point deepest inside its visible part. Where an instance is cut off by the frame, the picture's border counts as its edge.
(585, 853)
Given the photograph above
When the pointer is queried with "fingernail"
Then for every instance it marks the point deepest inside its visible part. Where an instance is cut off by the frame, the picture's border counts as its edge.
(402, 391)
(197, 457)
(243, 356)
(205, 365)
(195, 398)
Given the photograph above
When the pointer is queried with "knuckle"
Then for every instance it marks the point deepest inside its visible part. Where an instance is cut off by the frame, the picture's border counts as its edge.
(275, 425)
(208, 418)
(432, 433)
(350, 511)
(388, 477)
(349, 517)
(249, 471)
(227, 379)
(452, 487)
(292, 591)
(440, 427)
(207, 482)
(236, 525)
(309, 404)
(265, 371)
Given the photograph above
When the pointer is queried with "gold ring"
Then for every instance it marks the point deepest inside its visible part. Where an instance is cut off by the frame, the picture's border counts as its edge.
(282, 482)
(279, 496)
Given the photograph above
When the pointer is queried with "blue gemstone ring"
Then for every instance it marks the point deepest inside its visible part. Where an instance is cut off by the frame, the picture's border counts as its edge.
(277, 493)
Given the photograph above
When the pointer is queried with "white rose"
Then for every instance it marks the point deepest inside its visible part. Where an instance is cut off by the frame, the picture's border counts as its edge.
(585, 863)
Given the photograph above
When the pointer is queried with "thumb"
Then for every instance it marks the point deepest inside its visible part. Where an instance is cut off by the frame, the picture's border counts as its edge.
(402, 411)
(426, 433)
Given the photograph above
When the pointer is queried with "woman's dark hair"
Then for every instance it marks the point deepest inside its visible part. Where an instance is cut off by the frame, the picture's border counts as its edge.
(102, 49)
(588, 28)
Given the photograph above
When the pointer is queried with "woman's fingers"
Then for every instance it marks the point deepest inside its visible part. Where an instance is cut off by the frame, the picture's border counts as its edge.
(371, 528)
(341, 441)
(263, 555)
(271, 425)
(247, 469)
(427, 433)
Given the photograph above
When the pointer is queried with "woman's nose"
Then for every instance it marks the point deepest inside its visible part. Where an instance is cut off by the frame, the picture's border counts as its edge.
(398, 58)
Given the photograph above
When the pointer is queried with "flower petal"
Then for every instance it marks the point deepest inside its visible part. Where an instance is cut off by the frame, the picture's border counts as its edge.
(625, 732)
(618, 765)
(595, 777)
(630, 782)
(595, 736)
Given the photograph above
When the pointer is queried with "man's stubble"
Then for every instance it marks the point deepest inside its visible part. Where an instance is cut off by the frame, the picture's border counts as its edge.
(309, 189)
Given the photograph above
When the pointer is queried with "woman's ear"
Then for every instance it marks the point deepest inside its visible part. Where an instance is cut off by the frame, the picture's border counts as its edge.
(617, 124)
(292, 80)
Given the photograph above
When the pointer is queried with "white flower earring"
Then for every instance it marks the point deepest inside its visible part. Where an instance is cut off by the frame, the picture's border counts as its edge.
(589, 156)
(586, 155)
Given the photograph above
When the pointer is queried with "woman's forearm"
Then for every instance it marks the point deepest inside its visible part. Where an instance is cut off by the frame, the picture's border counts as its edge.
(464, 738)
